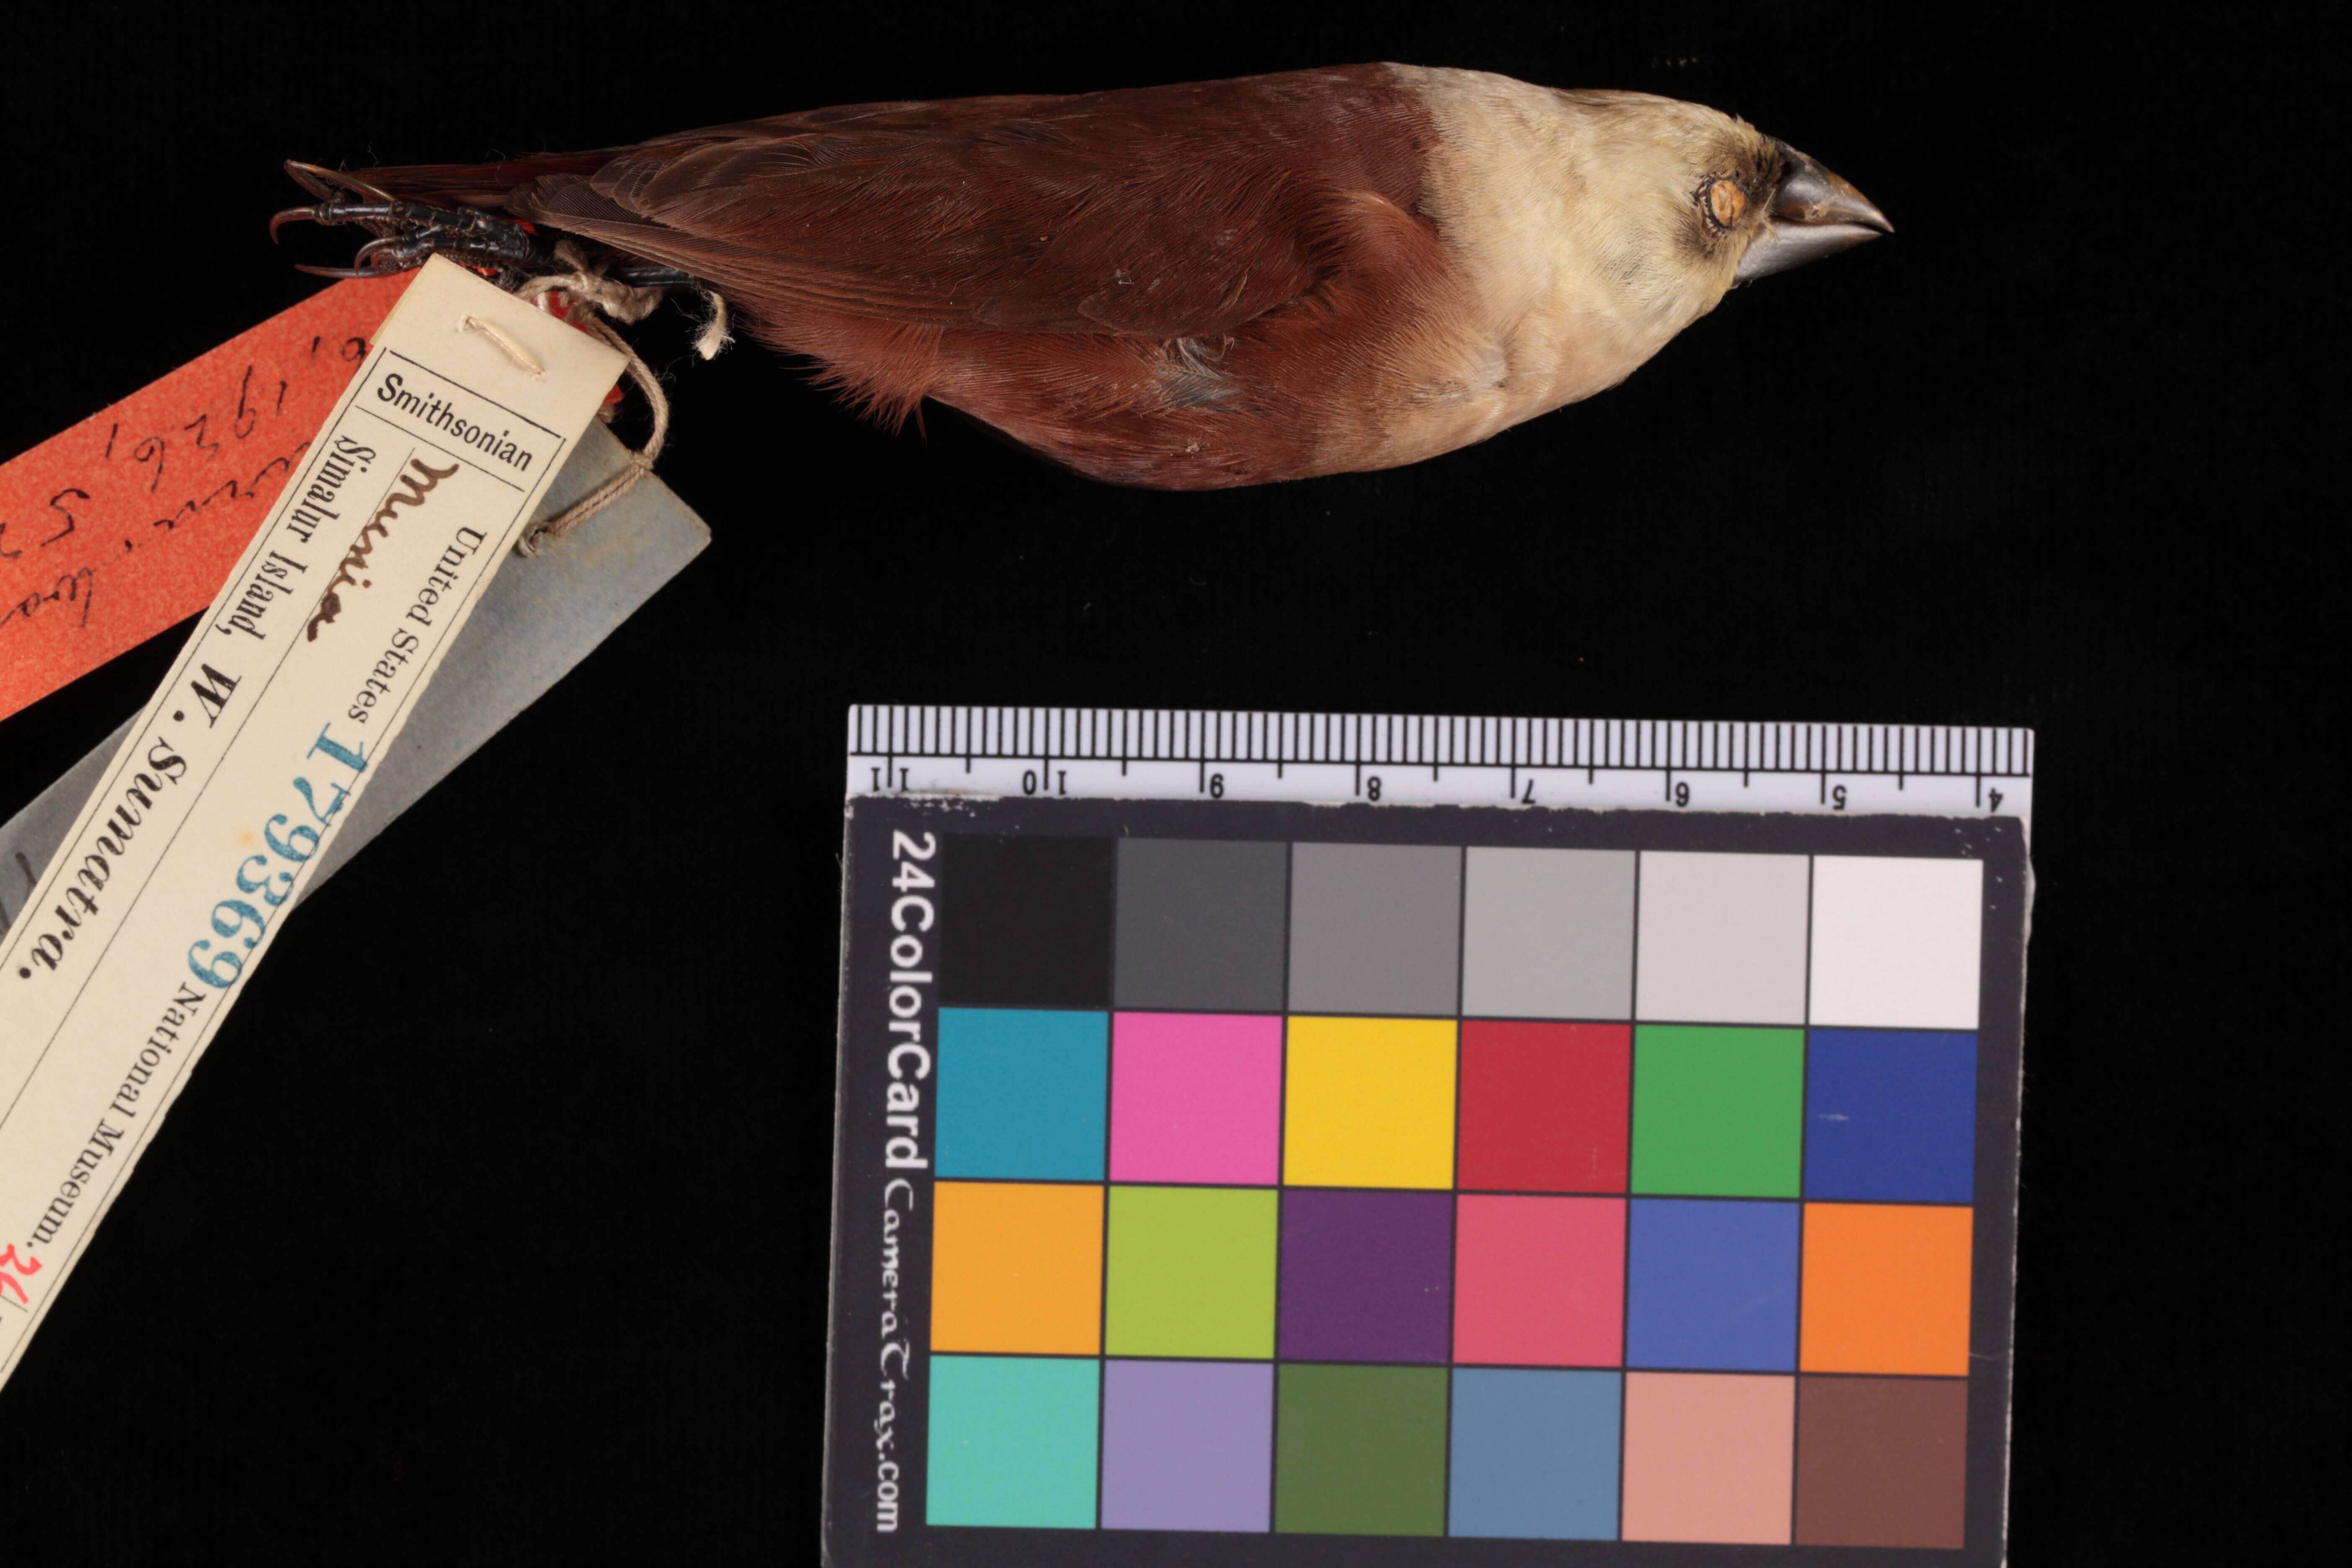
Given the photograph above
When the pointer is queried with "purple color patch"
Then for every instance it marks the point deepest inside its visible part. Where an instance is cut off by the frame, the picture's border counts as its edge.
(1366, 1275)
(1186, 1445)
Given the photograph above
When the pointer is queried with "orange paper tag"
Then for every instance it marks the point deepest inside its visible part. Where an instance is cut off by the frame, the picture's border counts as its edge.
(131, 520)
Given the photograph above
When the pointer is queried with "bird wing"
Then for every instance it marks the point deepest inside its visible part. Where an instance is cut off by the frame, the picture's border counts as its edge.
(1162, 212)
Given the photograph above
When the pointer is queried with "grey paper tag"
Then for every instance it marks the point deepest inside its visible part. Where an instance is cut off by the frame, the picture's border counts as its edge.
(536, 620)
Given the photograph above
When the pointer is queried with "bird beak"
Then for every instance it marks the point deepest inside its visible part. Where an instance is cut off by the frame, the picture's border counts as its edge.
(1814, 213)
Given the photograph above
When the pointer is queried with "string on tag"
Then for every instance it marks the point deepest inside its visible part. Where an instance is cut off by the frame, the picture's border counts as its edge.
(606, 296)
(507, 346)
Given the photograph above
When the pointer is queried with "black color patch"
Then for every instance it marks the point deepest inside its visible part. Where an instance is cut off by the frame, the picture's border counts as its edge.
(1032, 921)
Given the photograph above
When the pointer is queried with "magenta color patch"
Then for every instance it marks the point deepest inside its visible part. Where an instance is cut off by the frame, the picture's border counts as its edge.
(1196, 1097)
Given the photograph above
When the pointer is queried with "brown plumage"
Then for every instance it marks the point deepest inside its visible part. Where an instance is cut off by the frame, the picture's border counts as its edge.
(1212, 284)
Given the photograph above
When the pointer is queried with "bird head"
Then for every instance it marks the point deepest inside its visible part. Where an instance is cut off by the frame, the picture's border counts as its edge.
(1707, 201)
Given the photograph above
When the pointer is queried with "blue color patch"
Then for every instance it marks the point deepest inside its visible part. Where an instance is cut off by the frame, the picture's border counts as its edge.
(1711, 1286)
(1890, 1116)
(1021, 1093)
(1535, 1454)
(1013, 1441)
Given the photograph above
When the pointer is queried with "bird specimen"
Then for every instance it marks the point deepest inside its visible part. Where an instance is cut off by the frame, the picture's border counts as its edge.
(1188, 286)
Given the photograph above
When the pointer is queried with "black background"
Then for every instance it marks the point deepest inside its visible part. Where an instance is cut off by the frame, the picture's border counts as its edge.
(495, 1224)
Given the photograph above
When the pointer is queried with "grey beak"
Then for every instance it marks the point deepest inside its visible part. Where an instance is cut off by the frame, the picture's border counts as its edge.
(1814, 213)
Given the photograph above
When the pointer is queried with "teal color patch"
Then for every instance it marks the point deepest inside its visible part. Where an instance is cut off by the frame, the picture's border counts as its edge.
(1022, 1093)
(1013, 1441)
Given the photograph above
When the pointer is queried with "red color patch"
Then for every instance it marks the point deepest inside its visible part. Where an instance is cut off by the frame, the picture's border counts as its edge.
(1544, 1106)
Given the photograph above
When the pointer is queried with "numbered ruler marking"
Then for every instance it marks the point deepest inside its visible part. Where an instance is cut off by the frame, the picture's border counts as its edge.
(1160, 754)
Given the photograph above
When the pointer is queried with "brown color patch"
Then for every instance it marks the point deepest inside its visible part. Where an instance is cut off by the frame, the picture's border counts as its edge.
(1726, 201)
(1882, 1462)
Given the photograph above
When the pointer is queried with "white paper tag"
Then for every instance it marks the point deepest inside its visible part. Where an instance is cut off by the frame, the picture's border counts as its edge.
(177, 874)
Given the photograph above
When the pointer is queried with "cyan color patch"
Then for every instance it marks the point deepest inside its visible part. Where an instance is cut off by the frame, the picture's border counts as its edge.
(1021, 1093)
(1535, 1454)
(1013, 1441)
(1891, 1115)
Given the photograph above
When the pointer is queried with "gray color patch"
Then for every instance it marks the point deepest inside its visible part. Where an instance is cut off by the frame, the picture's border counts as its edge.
(1375, 928)
(1723, 938)
(1549, 933)
(1200, 925)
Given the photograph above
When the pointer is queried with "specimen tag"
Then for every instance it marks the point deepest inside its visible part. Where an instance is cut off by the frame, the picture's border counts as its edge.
(126, 523)
(212, 817)
(527, 633)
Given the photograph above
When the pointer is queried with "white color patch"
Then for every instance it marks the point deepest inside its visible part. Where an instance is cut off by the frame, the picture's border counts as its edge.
(1897, 942)
(1721, 938)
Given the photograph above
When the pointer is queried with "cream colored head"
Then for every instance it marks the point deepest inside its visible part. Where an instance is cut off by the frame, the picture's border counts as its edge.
(1691, 201)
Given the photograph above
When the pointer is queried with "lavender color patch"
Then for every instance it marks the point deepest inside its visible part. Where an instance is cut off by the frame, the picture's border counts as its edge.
(1366, 1275)
(1186, 1445)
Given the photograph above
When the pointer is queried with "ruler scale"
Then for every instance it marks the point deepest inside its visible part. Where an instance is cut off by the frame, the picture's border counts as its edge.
(1424, 759)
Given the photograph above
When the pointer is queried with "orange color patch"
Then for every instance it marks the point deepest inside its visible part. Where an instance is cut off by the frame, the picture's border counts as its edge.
(1886, 1289)
(129, 521)
(1016, 1266)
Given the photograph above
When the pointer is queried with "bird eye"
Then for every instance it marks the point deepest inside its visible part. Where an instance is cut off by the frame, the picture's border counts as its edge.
(1726, 202)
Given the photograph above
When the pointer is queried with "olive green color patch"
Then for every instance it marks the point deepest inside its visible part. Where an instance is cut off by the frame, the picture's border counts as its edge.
(1192, 1271)
(1359, 1450)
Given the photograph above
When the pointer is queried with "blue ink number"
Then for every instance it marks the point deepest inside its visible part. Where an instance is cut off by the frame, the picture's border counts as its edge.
(294, 845)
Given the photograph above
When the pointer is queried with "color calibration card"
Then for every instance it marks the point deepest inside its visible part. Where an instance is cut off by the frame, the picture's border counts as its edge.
(1256, 1182)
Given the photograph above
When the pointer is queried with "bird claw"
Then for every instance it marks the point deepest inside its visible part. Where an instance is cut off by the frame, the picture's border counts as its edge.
(337, 272)
(374, 215)
(408, 234)
(332, 184)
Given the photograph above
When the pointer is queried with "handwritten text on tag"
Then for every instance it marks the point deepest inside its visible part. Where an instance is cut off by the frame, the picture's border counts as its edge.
(126, 523)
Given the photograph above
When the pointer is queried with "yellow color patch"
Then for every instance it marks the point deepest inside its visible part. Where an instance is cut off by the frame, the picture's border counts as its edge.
(1016, 1266)
(1369, 1103)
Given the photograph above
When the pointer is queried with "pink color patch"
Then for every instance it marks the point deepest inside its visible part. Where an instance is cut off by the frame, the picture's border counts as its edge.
(1709, 1457)
(1540, 1281)
(1195, 1097)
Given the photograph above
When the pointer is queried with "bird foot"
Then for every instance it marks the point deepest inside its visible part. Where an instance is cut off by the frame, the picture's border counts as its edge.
(407, 233)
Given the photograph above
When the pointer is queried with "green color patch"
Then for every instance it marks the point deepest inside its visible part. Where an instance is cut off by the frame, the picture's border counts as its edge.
(1192, 1271)
(1013, 1441)
(1718, 1112)
(1359, 1450)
